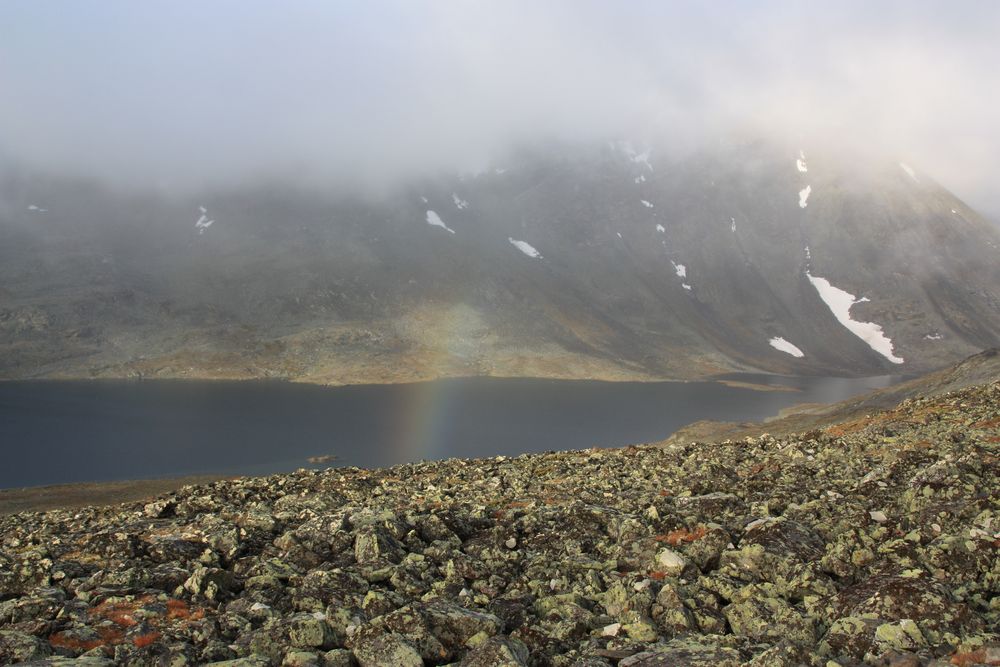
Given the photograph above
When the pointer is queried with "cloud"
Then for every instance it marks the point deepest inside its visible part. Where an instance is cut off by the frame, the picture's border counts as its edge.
(190, 94)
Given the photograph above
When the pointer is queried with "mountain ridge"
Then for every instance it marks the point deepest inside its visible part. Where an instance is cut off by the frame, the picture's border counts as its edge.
(646, 269)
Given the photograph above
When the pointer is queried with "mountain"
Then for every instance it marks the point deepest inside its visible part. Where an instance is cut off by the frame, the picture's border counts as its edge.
(582, 262)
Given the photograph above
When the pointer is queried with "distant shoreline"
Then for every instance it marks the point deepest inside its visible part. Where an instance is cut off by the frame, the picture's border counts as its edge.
(83, 494)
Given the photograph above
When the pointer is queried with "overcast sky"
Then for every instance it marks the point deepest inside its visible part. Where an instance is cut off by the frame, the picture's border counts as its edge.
(193, 93)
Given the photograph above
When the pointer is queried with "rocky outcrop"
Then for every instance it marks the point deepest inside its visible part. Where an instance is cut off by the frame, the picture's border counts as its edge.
(869, 542)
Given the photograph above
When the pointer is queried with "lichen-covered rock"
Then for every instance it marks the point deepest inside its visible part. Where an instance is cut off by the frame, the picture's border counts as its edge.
(388, 649)
(497, 652)
(21, 647)
(670, 562)
(759, 614)
(684, 652)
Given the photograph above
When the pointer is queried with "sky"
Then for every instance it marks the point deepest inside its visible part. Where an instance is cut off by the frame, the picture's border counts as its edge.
(195, 93)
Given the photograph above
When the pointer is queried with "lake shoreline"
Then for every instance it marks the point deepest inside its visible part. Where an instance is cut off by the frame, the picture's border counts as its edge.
(87, 431)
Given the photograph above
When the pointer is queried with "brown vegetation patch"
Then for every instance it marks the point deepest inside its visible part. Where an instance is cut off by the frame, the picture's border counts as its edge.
(682, 535)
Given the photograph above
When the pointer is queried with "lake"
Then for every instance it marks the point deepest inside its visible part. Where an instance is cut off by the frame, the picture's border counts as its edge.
(54, 432)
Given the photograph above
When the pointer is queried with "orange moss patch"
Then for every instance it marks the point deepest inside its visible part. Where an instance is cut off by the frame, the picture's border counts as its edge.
(977, 657)
(106, 636)
(656, 575)
(682, 535)
(110, 620)
(142, 641)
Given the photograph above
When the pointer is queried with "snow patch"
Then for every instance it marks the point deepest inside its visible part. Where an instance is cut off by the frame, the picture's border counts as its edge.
(909, 171)
(37, 209)
(619, 234)
(635, 156)
(804, 196)
(434, 220)
(686, 286)
(641, 178)
(459, 202)
(203, 221)
(732, 225)
(800, 163)
(680, 269)
(500, 171)
(526, 248)
(646, 203)
(783, 345)
(661, 229)
(933, 336)
(840, 302)
(808, 254)
(423, 199)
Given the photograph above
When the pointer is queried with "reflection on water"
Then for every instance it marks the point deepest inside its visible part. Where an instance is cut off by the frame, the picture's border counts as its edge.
(55, 432)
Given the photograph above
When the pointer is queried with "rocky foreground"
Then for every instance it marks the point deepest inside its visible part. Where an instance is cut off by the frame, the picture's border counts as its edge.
(869, 542)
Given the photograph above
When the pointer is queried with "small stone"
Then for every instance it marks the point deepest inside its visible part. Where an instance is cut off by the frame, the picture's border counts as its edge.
(611, 630)
(301, 659)
(670, 562)
(511, 543)
(878, 516)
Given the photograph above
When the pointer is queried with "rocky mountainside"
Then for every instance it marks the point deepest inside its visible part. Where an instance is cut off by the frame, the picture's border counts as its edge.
(609, 262)
(871, 542)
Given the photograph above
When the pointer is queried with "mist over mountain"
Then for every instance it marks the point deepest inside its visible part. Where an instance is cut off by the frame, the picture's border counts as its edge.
(585, 261)
(181, 96)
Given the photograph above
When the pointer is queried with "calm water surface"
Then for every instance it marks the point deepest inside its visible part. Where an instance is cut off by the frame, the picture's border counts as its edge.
(54, 432)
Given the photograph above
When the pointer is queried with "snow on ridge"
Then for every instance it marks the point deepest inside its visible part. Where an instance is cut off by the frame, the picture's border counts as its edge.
(526, 248)
(661, 229)
(634, 156)
(808, 254)
(840, 302)
(459, 202)
(435, 220)
(804, 196)
(783, 345)
(680, 269)
(646, 203)
(909, 171)
(203, 221)
(800, 163)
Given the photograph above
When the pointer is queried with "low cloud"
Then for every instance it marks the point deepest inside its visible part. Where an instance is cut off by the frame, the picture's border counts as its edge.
(186, 94)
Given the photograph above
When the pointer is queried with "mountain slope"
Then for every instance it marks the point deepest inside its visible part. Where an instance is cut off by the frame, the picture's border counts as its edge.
(599, 262)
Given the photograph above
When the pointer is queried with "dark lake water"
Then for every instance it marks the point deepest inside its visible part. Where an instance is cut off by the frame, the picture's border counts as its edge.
(54, 432)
